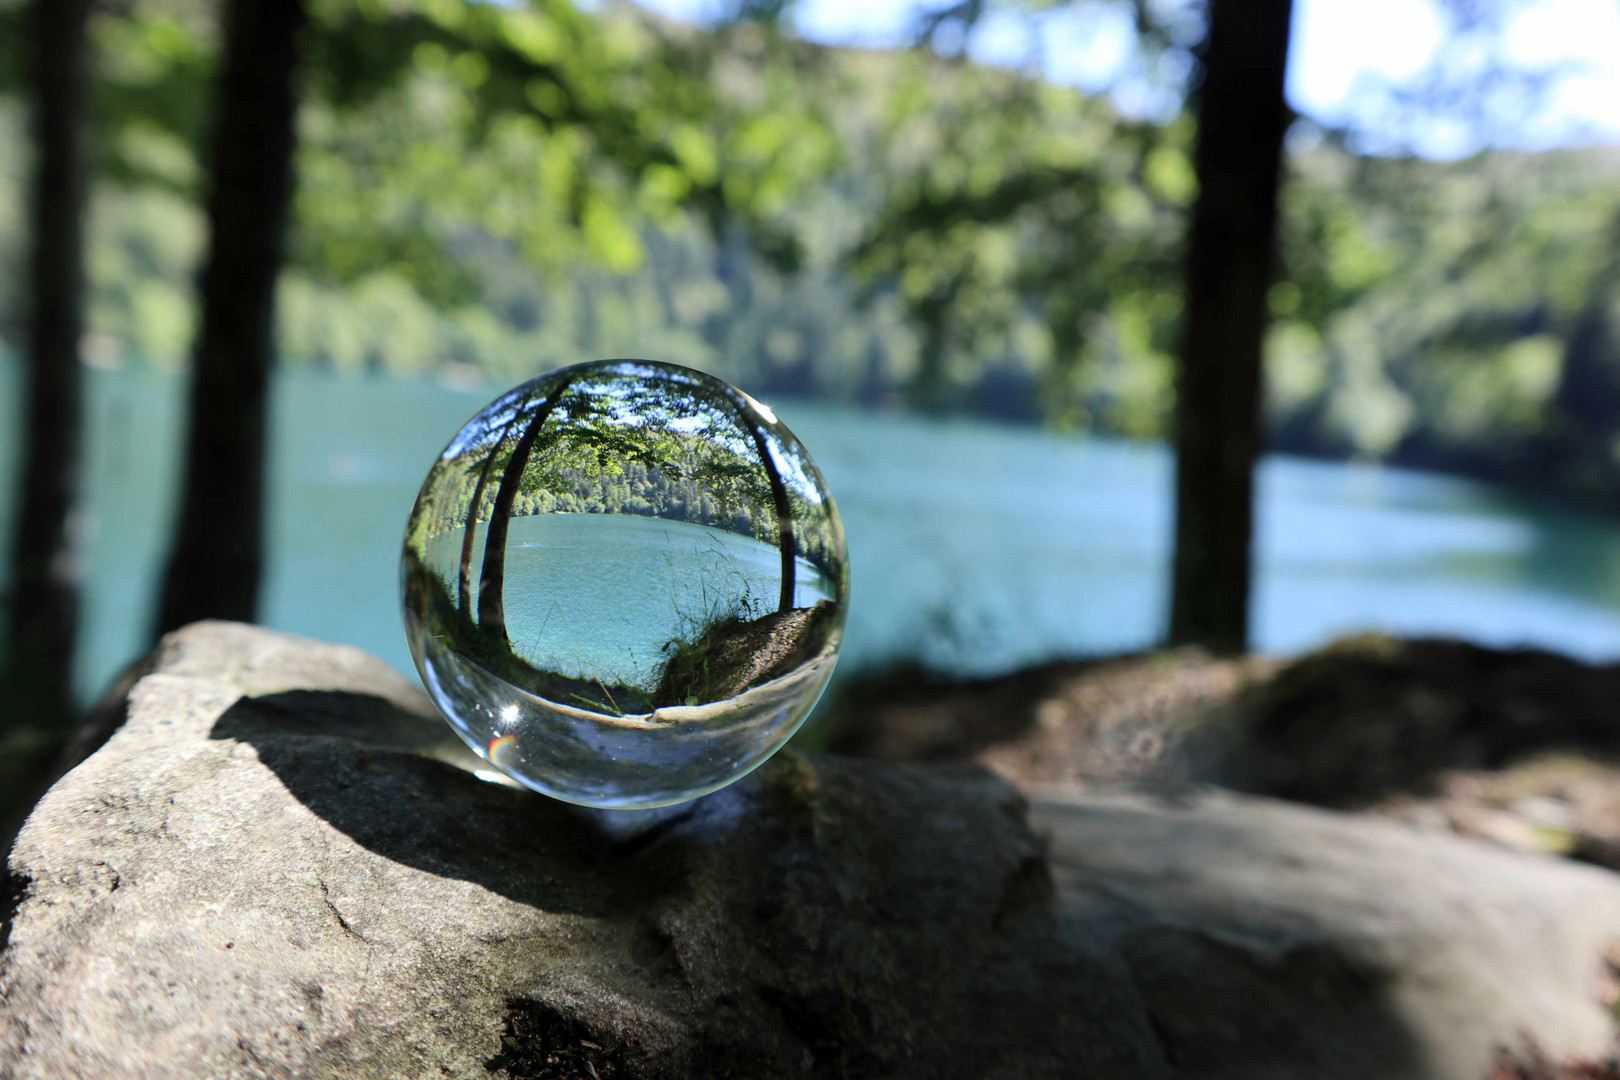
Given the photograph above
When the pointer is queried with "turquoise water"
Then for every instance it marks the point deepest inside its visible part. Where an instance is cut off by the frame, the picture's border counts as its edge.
(597, 596)
(973, 546)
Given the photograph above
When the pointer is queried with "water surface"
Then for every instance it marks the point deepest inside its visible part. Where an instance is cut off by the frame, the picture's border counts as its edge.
(973, 546)
(598, 596)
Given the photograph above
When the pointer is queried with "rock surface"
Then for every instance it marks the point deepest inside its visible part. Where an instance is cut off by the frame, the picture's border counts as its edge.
(1272, 940)
(261, 875)
(1517, 747)
(282, 865)
(1082, 724)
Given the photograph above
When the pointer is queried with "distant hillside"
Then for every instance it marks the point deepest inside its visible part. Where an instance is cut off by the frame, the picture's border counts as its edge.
(942, 234)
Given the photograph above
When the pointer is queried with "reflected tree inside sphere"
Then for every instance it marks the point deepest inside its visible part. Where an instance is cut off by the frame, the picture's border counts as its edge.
(624, 583)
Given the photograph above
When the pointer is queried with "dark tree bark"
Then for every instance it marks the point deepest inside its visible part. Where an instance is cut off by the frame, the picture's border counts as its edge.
(218, 553)
(469, 535)
(44, 593)
(1242, 117)
(1587, 401)
(492, 576)
(930, 387)
(784, 511)
(469, 538)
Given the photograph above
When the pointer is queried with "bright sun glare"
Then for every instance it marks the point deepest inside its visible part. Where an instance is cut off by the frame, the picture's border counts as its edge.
(1338, 46)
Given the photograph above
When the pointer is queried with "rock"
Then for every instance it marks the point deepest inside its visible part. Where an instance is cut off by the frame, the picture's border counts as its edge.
(1374, 716)
(1532, 1064)
(1072, 723)
(1560, 802)
(1513, 746)
(731, 656)
(283, 865)
(261, 875)
(1273, 940)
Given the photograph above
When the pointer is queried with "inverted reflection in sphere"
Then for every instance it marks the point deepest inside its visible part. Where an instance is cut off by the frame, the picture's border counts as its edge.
(624, 583)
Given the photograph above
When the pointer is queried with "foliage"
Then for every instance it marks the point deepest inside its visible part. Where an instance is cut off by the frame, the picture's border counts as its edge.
(1026, 227)
(1442, 313)
(504, 189)
(617, 445)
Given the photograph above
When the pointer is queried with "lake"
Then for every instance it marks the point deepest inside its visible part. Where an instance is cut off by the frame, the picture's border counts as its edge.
(598, 596)
(974, 547)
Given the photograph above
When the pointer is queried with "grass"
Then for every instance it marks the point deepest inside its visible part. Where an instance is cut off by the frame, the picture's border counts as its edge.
(688, 676)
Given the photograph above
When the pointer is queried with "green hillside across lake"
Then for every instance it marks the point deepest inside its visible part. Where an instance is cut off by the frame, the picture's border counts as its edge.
(908, 229)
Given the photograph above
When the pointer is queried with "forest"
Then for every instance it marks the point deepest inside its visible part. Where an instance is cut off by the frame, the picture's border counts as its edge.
(548, 185)
(643, 439)
(1132, 805)
(617, 447)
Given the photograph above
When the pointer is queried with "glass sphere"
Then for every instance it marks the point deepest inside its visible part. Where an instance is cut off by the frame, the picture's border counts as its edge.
(624, 583)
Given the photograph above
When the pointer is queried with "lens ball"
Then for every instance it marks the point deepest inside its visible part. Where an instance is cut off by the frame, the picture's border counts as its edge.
(624, 583)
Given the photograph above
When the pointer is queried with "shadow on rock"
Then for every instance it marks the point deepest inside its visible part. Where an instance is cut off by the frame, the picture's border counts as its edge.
(1373, 716)
(1309, 1010)
(402, 786)
(799, 897)
(827, 919)
(282, 862)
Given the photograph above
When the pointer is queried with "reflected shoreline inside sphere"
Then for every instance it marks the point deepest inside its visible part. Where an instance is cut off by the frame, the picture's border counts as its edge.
(624, 584)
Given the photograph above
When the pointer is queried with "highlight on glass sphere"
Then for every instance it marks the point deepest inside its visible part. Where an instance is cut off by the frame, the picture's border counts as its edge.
(624, 583)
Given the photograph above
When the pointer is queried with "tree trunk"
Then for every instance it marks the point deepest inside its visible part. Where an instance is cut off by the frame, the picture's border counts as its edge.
(492, 577)
(1242, 117)
(930, 387)
(44, 597)
(784, 511)
(1587, 401)
(218, 552)
(469, 535)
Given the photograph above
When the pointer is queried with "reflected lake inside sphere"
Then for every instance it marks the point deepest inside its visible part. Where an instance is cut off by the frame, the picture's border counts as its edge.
(624, 583)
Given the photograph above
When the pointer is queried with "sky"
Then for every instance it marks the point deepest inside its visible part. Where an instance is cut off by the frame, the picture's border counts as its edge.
(1340, 51)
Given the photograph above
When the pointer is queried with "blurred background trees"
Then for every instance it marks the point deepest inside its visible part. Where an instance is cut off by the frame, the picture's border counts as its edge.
(488, 190)
(871, 225)
(218, 554)
(37, 663)
(1242, 117)
(940, 230)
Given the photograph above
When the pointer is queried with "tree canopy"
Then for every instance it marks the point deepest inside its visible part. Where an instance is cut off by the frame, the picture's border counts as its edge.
(509, 188)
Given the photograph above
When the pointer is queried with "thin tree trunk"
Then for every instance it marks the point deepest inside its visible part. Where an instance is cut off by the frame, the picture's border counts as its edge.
(469, 535)
(218, 552)
(784, 511)
(44, 596)
(929, 389)
(1242, 117)
(492, 577)
(1588, 394)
